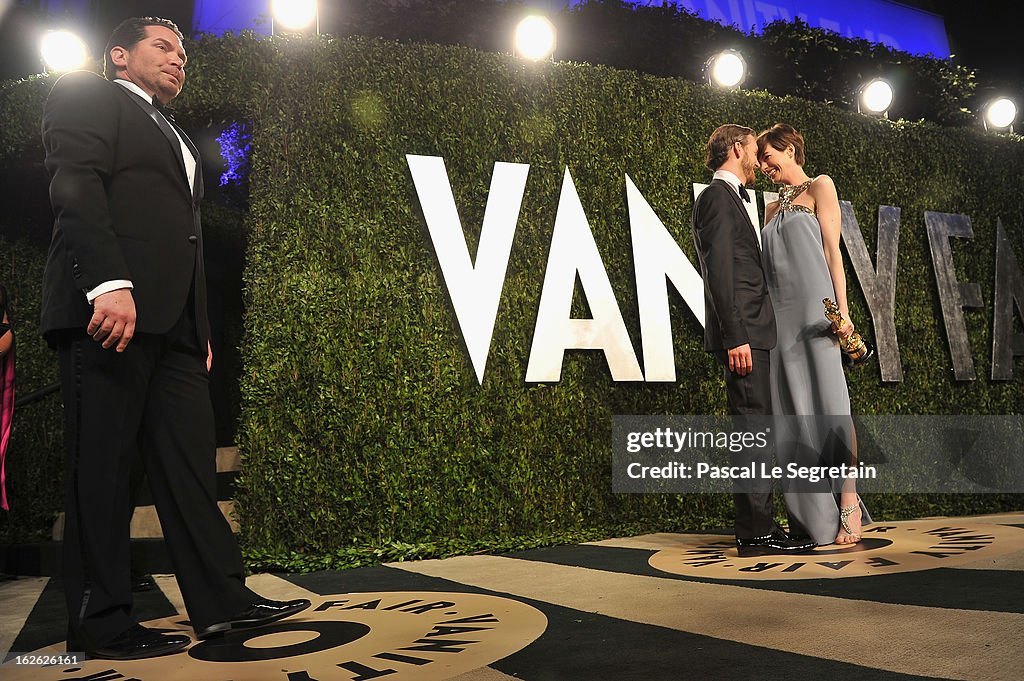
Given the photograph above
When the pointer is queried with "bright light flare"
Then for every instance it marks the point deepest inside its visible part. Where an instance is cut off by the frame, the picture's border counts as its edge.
(63, 51)
(535, 38)
(294, 15)
(727, 69)
(876, 96)
(1000, 113)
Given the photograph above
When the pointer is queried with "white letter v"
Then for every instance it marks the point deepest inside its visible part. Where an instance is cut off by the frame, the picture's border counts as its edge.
(475, 290)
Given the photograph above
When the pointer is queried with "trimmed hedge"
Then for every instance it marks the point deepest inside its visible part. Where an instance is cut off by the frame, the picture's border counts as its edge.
(360, 400)
(34, 463)
(669, 40)
(364, 432)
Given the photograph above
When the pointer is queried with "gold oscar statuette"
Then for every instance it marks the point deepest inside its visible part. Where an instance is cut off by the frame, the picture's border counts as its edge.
(856, 350)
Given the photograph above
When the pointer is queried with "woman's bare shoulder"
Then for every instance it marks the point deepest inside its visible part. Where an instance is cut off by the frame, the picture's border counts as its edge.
(822, 183)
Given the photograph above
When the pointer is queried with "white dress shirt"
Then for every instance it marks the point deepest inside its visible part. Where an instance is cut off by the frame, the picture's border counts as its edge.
(749, 205)
(728, 177)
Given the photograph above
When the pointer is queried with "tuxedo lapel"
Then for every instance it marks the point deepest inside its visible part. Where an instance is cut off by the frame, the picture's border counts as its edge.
(165, 128)
(738, 202)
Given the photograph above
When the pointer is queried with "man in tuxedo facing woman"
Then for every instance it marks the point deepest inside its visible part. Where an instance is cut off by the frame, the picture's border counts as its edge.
(739, 322)
(124, 304)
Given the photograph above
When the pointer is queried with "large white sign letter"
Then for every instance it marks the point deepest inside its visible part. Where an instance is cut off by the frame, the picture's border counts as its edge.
(573, 251)
(475, 290)
(656, 255)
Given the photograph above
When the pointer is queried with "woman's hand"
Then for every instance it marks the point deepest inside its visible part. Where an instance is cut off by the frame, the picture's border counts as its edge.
(843, 331)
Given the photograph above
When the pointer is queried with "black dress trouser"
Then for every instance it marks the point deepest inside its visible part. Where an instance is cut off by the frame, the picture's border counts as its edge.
(154, 396)
(750, 395)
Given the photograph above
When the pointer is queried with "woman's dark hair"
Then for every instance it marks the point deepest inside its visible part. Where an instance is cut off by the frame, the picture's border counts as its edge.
(5, 306)
(780, 136)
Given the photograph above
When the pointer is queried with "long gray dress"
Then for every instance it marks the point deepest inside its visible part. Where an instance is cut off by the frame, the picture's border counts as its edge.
(810, 399)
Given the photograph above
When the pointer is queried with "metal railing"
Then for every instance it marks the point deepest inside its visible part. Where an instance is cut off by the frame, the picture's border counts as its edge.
(37, 395)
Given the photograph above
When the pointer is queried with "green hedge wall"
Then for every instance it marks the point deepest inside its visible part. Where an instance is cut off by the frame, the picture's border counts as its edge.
(665, 39)
(364, 432)
(359, 397)
(34, 465)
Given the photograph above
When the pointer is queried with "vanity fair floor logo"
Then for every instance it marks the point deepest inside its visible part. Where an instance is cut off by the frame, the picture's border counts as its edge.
(400, 636)
(886, 548)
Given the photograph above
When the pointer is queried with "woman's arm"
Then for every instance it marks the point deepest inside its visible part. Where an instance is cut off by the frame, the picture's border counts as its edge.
(769, 212)
(826, 203)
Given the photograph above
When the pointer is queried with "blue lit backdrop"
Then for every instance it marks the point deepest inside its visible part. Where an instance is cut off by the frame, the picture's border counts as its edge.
(220, 16)
(904, 28)
(234, 149)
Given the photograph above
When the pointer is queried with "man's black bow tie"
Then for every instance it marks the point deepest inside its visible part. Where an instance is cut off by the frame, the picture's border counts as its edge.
(743, 193)
(162, 108)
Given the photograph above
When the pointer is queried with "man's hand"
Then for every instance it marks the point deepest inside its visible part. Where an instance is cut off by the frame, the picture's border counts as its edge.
(113, 319)
(209, 356)
(740, 361)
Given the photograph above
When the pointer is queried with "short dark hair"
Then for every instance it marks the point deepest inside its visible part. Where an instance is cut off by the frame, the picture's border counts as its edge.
(128, 33)
(721, 142)
(780, 136)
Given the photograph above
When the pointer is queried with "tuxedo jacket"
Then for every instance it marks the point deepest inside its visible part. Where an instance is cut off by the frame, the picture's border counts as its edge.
(737, 307)
(122, 208)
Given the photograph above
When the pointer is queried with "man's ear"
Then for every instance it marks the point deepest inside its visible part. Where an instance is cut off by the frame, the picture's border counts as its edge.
(119, 56)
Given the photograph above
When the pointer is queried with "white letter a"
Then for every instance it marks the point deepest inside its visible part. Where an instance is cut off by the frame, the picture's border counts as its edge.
(573, 251)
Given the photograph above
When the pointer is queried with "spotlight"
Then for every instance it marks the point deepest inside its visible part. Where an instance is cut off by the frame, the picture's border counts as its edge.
(1000, 114)
(63, 51)
(295, 15)
(726, 69)
(875, 97)
(535, 38)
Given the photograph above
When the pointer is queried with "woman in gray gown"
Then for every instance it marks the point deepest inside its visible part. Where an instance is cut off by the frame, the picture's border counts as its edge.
(810, 399)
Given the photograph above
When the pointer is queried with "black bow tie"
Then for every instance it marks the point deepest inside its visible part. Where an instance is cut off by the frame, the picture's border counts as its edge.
(743, 193)
(162, 108)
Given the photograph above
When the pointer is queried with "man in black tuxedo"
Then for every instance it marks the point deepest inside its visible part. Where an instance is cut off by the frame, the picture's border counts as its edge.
(124, 303)
(739, 322)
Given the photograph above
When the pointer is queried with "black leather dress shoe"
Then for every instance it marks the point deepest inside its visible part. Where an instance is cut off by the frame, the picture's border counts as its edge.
(138, 643)
(778, 542)
(263, 611)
